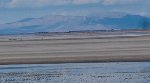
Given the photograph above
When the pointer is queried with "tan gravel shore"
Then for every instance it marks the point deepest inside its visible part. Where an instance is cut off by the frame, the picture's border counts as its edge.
(96, 49)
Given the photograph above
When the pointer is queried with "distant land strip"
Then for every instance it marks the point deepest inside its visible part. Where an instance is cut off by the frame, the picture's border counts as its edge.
(76, 50)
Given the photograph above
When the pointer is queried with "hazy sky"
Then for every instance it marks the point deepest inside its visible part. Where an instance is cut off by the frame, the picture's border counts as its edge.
(12, 10)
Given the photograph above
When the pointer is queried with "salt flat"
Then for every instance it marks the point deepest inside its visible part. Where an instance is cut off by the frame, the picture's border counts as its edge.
(122, 72)
(75, 49)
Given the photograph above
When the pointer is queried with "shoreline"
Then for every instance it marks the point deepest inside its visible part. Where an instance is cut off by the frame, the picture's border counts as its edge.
(76, 50)
(61, 60)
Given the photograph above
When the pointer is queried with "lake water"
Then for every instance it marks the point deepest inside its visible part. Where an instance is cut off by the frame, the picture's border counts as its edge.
(122, 72)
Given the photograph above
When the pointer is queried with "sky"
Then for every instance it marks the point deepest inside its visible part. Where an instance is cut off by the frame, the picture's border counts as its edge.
(13, 10)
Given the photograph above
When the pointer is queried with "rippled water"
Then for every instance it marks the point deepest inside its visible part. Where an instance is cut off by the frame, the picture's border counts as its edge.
(137, 72)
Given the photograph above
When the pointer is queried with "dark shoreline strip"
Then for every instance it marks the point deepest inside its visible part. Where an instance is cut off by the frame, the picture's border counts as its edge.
(85, 59)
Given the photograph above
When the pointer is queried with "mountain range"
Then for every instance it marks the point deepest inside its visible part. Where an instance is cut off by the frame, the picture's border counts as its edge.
(62, 23)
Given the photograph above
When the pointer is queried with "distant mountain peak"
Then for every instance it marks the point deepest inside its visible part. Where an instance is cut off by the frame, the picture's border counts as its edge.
(108, 14)
(26, 19)
(62, 23)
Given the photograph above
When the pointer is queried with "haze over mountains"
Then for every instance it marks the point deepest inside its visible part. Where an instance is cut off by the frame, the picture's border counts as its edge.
(62, 23)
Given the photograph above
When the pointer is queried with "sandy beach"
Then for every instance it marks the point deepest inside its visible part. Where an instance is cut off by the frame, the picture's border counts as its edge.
(74, 50)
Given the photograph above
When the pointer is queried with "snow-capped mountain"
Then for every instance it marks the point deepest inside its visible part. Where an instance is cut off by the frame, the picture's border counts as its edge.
(60, 23)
